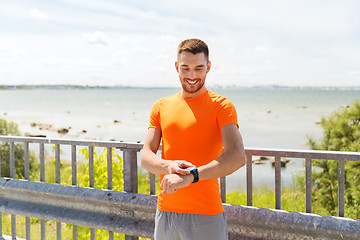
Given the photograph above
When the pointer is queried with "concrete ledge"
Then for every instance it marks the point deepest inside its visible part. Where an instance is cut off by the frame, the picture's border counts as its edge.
(263, 223)
(133, 214)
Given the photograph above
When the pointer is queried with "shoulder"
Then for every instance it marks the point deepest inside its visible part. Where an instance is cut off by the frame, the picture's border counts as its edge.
(219, 100)
(165, 100)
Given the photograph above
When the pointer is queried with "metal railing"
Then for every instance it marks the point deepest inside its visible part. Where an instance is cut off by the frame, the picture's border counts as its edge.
(140, 208)
(308, 155)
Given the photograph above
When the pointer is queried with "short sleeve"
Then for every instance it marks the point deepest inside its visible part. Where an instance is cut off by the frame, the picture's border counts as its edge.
(227, 114)
(155, 116)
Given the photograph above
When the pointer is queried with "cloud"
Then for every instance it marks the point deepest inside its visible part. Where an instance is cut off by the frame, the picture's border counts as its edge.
(37, 14)
(261, 48)
(97, 38)
(354, 73)
(162, 57)
(251, 42)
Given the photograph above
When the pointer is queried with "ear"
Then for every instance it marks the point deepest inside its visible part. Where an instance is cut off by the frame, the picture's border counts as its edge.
(208, 66)
(177, 66)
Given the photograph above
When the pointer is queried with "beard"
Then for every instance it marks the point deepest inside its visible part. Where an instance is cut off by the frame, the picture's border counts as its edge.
(190, 89)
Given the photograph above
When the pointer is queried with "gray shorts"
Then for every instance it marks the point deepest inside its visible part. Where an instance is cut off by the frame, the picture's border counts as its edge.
(183, 226)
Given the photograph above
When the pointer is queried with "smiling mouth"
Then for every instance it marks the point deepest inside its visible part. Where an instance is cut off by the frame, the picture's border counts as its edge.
(191, 82)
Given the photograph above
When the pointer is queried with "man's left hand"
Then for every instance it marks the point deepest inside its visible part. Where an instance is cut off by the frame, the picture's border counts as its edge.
(172, 182)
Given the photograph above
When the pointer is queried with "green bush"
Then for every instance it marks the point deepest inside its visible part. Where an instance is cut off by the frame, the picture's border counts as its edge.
(292, 197)
(341, 132)
(100, 170)
(11, 129)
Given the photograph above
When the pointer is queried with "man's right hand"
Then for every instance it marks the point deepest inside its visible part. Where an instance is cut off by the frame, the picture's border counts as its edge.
(179, 167)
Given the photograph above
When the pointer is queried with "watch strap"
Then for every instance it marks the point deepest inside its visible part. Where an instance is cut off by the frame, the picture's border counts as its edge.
(195, 173)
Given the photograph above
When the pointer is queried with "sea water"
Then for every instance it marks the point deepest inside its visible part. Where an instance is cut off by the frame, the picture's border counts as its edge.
(268, 117)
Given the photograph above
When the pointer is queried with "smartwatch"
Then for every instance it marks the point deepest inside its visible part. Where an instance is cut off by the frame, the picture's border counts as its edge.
(195, 173)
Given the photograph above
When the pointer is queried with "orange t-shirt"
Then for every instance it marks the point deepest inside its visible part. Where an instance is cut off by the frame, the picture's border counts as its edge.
(191, 131)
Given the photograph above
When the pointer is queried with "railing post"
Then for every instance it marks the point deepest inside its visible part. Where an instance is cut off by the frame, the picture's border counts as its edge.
(130, 176)
(42, 162)
(91, 181)
(223, 189)
(58, 179)
(109, 168)
(74, 182)
(91, 167)
(42, 179)
(1, 236)
(249, 180)
(26, 161)
(12, 159)
(341, 187)
(130, 171)
(152, 183)
(308, 187)
(27, 176)
(73, 165)
(57, 163)
(43, 229)
(109, 178)
(13, 227)
(12, 175)
(277, 182)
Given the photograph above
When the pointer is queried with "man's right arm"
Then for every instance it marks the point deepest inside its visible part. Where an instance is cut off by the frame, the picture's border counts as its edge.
(155, 164)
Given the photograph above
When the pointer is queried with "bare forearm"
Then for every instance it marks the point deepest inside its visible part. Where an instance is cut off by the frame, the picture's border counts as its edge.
(231, 159)
(149, 160)
(153, 163)
(156, 165)
(227, 163)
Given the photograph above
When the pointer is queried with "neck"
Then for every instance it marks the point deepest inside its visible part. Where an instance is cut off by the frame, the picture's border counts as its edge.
(185, 94)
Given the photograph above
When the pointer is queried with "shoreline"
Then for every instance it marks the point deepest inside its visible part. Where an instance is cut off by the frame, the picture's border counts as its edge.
(115, 87)
(263, 174)
(271, 119)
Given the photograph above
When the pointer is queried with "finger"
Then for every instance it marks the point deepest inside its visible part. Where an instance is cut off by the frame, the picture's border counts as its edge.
(162, 184)
(173, 190)
(165, 191)
(165, 187)
(185, 164)
(182, 171)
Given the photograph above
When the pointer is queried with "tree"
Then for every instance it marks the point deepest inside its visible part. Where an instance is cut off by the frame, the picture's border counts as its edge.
(341, 132)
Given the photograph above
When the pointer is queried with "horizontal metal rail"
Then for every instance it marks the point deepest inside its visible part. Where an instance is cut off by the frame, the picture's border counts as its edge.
(261, 223)
(130, 169)
(116, 211)
(133, 214)
(313, 154)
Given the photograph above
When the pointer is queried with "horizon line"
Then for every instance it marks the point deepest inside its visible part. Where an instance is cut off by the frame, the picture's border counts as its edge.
(62, 86)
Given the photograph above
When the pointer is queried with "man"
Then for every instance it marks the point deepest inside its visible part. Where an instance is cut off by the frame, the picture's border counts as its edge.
(201, 143)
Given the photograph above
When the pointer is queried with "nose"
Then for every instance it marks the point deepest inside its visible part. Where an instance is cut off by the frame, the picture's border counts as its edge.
(191, 74)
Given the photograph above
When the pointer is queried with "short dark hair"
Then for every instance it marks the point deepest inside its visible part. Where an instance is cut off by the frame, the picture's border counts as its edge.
(193, 46)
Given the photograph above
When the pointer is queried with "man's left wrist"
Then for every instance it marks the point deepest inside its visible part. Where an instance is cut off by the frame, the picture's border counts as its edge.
(191, 177)
(194, 172)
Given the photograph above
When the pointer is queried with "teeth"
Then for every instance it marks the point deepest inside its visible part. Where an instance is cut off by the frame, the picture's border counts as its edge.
(192, 82)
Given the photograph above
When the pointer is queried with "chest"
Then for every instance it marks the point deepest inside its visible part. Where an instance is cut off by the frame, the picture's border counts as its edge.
(185, 116)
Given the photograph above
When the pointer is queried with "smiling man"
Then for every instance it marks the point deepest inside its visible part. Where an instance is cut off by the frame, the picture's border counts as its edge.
(201, 143)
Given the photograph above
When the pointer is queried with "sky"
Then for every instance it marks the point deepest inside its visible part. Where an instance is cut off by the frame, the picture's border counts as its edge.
(133, 43)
